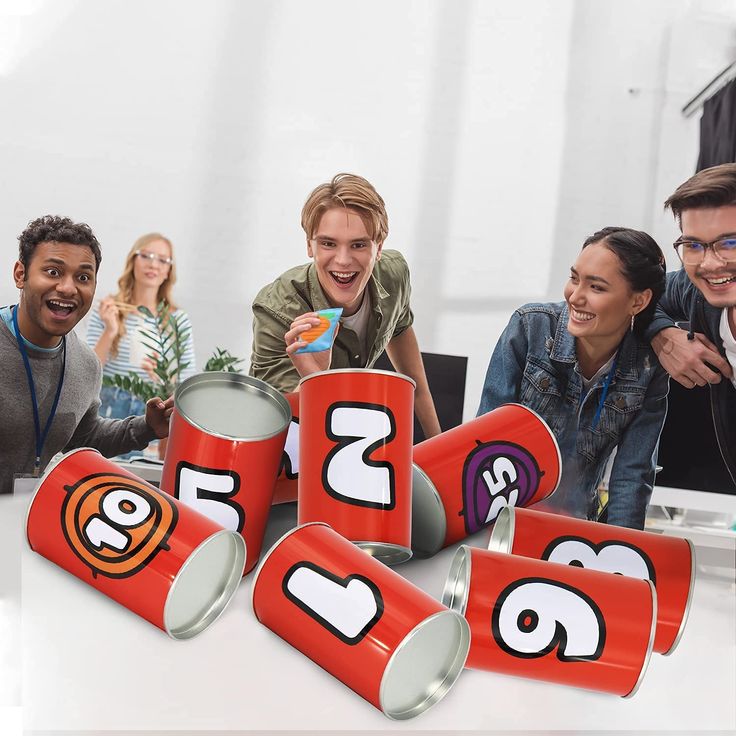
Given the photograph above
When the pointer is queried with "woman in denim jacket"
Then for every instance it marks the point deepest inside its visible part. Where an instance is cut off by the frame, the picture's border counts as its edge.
(585, 368)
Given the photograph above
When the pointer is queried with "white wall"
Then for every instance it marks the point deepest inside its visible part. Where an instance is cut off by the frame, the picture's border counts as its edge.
(499, 134)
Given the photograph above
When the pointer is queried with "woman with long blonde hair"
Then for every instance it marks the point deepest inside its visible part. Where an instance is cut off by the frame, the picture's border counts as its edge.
(114, 328)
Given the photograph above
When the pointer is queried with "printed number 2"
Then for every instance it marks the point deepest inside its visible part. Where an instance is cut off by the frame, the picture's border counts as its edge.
(348, 473)
(347, 607)
(533, 616)
(209, 491)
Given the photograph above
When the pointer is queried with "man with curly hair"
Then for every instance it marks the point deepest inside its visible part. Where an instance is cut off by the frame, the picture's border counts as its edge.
(50, 382)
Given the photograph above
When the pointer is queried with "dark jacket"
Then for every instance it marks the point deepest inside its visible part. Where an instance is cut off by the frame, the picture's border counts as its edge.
(683, 301)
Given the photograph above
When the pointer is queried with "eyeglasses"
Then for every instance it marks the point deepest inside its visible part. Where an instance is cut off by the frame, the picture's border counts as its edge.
(151, 257)
(692, 252)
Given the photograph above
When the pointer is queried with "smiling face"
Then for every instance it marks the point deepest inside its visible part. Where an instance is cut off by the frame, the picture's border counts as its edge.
(344, 256)
(600, 299)
(714, 277)
(151, 272)
(58, 287)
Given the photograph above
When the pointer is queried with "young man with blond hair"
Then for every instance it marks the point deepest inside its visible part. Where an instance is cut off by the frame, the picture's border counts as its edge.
(703, 292)
(346, 225)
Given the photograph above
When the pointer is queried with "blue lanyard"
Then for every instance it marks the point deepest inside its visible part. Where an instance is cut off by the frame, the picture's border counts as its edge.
(40, 437)
(604, 393)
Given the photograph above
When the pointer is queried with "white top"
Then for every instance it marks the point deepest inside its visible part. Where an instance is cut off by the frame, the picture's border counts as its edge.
(131, 349)
(729, 342)
(602, 371)
(358, 322)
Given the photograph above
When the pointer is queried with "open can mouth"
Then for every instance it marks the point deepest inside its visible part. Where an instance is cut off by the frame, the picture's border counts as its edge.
(205, 584)
(502, 534)
(232, 406)
(457, 586)
(425, 665)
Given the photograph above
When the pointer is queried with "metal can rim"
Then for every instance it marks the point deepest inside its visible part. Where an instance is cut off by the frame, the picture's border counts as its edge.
(236, 378)
(455, 592)
(454, 668)
(359, 371)
(650, 645)
(686, 613)
(222, 601)
(502, 534)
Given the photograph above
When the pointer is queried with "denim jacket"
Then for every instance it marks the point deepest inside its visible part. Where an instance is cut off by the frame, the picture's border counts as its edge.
(683, 301)
(534, 363)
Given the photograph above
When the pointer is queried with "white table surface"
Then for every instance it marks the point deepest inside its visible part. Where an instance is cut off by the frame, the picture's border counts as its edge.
(87, 664)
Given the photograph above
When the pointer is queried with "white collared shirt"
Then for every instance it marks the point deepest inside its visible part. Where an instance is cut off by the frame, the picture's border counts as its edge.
(729, 342)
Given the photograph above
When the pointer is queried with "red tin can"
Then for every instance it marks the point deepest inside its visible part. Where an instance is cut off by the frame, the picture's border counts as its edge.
(669, 562)
(142, 548)
(355, 458)
(465, 476)
(550, 622)
(226, 440)
(287, 484)
(383, 637)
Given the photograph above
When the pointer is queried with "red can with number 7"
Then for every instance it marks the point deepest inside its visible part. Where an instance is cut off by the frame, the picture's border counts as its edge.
(551, 622)
(389, 641)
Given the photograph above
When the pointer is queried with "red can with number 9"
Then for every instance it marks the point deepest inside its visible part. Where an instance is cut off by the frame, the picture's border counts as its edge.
(546, 621)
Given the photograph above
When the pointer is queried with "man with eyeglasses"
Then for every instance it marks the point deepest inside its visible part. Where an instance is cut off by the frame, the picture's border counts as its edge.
(703, 293)
(50, 380)
(346, 224)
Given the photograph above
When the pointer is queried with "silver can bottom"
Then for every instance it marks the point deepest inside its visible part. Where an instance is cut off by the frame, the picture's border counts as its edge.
(425, 665)
(205, 584)
(389, 554)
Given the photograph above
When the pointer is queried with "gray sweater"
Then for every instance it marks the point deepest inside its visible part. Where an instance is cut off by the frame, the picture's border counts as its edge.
(76, 423)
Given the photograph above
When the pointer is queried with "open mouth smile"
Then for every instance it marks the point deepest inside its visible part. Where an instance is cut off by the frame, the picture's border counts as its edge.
(344, 278)
(579, 316)
(721, 281)
(61, 307)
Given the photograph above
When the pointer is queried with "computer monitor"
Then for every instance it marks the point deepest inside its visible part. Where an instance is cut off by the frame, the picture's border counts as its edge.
(446, 377)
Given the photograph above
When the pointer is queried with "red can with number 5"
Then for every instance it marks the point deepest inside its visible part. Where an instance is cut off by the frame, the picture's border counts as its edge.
(226, 440)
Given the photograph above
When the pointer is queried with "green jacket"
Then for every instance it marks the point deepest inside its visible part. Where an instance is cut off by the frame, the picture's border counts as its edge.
(298, 291)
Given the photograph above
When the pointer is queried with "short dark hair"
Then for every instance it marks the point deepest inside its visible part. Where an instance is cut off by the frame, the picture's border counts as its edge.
(642, 265)
(56, 229)
(713, 187)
